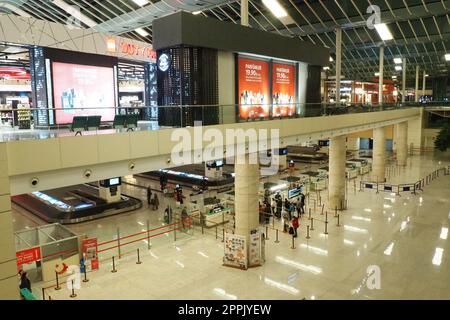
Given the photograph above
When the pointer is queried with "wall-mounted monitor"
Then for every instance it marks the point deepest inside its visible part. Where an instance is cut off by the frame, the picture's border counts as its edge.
(292, 193)
(111, 182)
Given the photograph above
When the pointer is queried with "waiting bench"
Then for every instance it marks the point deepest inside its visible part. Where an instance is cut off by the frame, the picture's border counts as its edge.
(85, 123)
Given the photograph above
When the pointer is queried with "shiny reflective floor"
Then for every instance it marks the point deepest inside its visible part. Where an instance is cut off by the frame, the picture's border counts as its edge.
(404, 237)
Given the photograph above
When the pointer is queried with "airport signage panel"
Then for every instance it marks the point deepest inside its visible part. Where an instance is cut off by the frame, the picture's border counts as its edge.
(28, 256)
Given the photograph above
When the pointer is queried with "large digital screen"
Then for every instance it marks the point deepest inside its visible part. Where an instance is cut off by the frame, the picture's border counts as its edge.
(283, 92)
(81, 86)
(253, 89)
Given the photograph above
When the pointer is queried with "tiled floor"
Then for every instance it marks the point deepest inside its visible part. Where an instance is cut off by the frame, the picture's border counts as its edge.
(405, 236)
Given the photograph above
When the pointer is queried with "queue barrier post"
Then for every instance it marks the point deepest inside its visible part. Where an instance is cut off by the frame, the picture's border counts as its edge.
(312, 225)
(307, 233)
(216, 232)
(267, 233)
(326, 227)
(338, 218)
(293, 242)
(223, 235)
(138, 257)
(73, 295)
(309, 217)
(323, 208)
(114, 270)
(276, 240)
(43, 293)
(57, 281)
(335, 211)
(85, 275)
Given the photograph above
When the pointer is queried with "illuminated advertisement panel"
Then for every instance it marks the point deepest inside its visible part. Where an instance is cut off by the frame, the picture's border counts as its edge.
(283, 92)
(253, 89)
(81, 86)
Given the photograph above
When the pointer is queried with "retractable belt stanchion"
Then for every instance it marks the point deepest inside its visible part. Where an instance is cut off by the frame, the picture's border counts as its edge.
(307, 233)
(267, 233)
(57, 281)
(114, 265)
(223, 235)
(43, 293)
(309, 217)
(338, 218)
(73, 295)
(85, 275)
(276, 234)
(312, 225)
(323, 208)
(138, 257)
(293, 242)
(326, 222)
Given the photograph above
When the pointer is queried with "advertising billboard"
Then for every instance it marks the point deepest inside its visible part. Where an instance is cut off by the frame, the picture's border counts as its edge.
(253, 89)
(283, 92)
(81, 86)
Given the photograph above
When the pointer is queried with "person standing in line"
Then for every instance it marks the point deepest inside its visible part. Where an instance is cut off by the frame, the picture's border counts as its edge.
(302, 203)
(279, 208)
(295, 226)
(299, 207)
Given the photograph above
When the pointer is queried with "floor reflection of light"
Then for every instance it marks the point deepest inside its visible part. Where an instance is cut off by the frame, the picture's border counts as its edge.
(437, 259)
(180, 264)
(140, 223)
(444, 233)
(300, 266)
(281, 286)
(355, 229)
(313, 298)
(386, 206)
(361, 218)
(203, 254)
(154, 255)
(224, 294)
(358, 253)
(389, 249)
(403, 225)
(316, 250)
(368, 210)
(349, 242)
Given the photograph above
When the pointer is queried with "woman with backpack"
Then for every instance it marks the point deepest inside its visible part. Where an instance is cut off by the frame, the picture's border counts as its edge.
(295, 225)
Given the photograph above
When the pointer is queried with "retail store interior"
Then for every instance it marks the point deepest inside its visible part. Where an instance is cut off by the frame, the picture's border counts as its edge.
(223, 159)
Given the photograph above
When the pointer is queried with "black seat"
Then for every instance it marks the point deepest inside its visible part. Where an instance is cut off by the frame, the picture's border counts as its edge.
(79, 124)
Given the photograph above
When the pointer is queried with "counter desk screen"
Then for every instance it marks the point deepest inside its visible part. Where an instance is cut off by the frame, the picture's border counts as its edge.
(80, 86)
(111, 182)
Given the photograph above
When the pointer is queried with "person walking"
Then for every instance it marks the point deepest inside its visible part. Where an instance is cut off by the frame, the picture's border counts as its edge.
(155, 202)
(299, 207)
(184, 218)
(25, 283)
(295, 226)
(149, 195)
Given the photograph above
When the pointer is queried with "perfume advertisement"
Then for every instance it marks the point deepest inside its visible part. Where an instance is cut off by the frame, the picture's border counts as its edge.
(283, 77)
(253, 89)
(81, 86)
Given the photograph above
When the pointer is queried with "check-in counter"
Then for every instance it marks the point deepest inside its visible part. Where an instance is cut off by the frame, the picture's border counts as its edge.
(317, 180)
(362, 165)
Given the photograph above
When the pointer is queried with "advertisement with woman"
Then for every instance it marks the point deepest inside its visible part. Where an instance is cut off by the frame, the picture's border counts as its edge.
(253, 89)
(283, 93)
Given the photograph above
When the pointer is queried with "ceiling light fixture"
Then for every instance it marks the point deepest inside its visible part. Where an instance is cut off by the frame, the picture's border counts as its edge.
(276, 8)
(142, 32)
(75, 12)
(447, 57)
(384, 32)
(398, 60)
(141, 3)
(398, 68)
(196, 13)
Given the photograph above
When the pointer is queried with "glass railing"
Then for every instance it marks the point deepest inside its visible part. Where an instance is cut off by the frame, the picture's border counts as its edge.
(24, 124)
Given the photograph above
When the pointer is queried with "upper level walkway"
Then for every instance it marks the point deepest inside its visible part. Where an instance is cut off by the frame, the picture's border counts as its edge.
(65, 159)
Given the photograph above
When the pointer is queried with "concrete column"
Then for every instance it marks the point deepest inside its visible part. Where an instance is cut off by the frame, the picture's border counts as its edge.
(379, 154)
(381, 77)
(402, 143)
(338, 63)
(336, 183)
(244, 12)
(424, 84)
(416, 91)
(352, 144)
(404, 81)
(246, 196)
(353, 92)
(9, 285)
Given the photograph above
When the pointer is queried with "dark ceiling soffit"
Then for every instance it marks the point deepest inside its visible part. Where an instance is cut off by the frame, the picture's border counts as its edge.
(184, 28)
